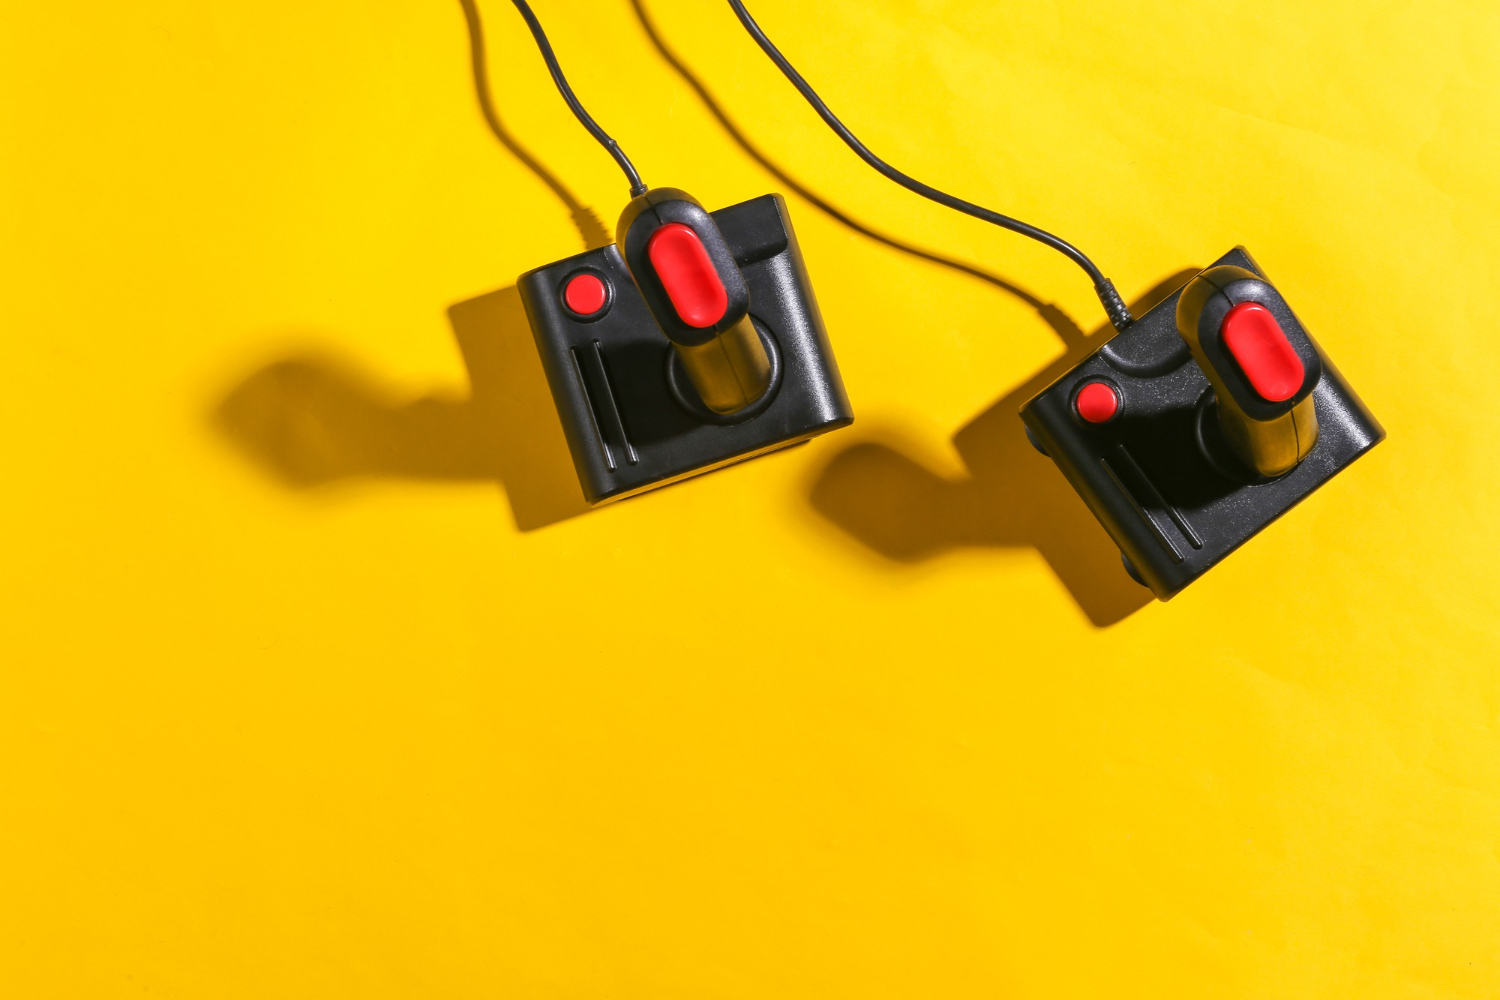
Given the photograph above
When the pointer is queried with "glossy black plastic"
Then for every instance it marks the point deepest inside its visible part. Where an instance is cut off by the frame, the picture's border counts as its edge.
(1159, 476)
(631, 421)
(1219, 289)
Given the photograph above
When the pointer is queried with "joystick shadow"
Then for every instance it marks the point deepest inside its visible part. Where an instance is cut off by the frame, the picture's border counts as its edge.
(312, 420)
(1014, 497)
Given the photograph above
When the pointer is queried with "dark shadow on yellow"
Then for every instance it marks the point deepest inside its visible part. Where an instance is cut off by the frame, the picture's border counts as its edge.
(1014, 497)
(313, 421)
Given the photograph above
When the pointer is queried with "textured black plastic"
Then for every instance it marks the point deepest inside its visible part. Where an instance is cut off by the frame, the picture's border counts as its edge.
(609, 376)
(1158, 476)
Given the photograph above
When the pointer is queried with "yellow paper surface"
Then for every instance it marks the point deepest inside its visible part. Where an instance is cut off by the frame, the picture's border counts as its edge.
(317, 681)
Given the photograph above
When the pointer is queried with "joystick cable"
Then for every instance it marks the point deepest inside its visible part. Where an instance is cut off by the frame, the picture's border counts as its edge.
(637, 186)
(1119, 313)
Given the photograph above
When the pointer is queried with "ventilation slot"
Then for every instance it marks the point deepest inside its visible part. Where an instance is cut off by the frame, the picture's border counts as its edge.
(609, 426)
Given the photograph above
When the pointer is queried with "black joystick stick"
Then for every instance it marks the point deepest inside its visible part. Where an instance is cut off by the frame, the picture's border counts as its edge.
(697, 295)
(1262, 365)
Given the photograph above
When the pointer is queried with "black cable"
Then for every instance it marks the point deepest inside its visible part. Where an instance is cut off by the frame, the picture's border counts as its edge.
(1119, 313)
(637, 186)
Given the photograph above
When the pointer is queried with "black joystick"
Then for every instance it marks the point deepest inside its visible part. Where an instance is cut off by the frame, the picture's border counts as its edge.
(693, 343)
(1201, 423)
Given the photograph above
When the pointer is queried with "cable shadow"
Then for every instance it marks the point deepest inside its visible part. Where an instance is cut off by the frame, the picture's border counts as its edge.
(590, 227)
(1013, 497)
(1062, 324)
(312, 420)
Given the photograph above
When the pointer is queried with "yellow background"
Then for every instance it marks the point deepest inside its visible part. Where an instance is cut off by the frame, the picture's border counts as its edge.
(318, 682)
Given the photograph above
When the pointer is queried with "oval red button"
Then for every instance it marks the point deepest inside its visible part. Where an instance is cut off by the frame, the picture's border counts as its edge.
(688, 275)
(585, 294)
(1096, 402)
(1259, 346)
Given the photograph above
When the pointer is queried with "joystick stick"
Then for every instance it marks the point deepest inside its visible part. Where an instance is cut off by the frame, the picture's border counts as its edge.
(697, 295)
(1262, 366)
(1196, 425)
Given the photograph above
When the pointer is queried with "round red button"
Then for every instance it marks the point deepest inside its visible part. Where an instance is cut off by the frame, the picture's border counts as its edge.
(1096, 402)
(585, 294)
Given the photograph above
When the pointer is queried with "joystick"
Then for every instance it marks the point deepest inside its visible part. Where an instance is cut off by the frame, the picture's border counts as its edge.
(691, 343)
(1200, 424)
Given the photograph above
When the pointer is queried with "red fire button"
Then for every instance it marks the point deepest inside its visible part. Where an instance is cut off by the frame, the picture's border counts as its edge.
(585, 294)
(688, 275)
(1260, 348)
(1096, 402)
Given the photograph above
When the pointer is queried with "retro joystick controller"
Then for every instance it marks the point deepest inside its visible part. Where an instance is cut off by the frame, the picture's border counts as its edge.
(1201, 423)
(693, 343)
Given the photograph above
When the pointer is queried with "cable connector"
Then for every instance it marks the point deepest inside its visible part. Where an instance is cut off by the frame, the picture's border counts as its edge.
(1114, 306)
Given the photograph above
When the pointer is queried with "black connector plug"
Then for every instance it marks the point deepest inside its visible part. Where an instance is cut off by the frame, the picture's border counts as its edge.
(1114, 306)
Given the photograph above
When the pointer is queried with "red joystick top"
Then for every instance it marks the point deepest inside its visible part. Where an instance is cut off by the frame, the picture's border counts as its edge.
(1260, 347)
(688, 275)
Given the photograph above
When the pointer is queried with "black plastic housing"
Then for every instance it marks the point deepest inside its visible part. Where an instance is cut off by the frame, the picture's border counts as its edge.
(632, 419)
(1158, 475)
